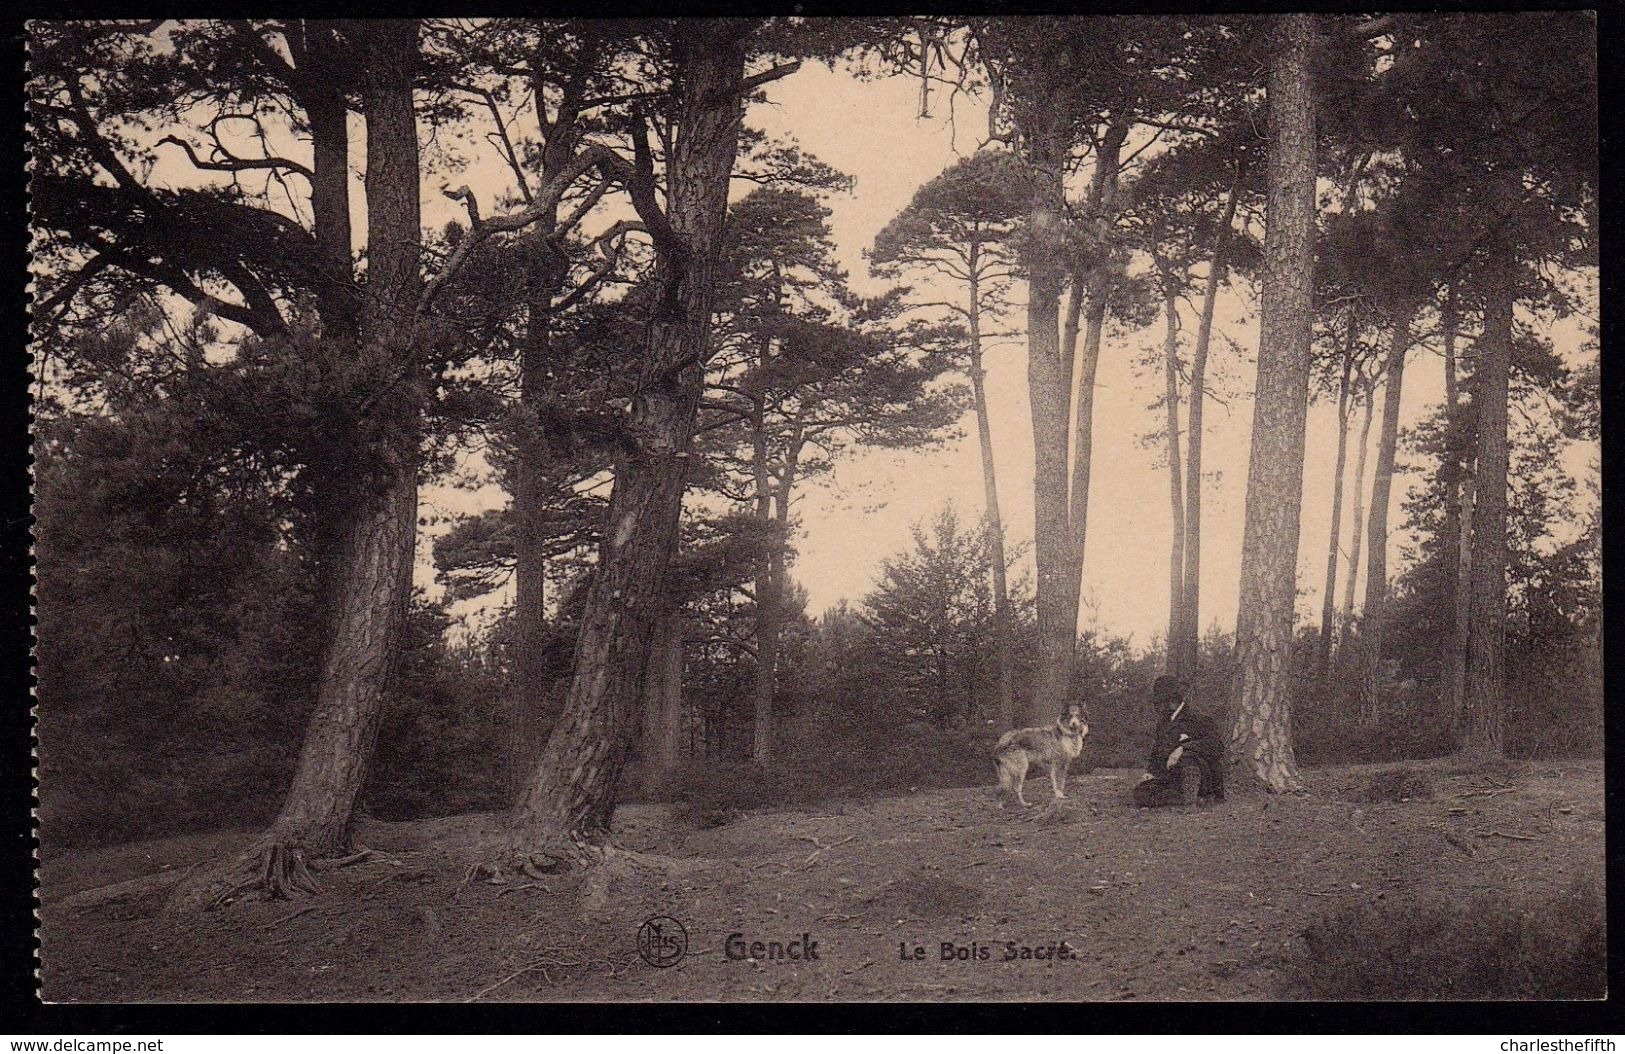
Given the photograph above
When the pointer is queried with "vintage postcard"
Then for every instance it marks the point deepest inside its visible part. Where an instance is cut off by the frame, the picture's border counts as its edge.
(817, 509)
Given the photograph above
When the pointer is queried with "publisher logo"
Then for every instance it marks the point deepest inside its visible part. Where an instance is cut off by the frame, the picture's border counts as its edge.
(662, 941)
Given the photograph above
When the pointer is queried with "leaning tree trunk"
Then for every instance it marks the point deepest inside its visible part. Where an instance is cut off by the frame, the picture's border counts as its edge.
(1176, 496)
(1261, 740)
(1484, 709)
(1002, 628)
(1357, 527)
(371, 584)
(1187, 645)
(1328, 602)
(1373, 621)
(1048, 376)
(563, 816)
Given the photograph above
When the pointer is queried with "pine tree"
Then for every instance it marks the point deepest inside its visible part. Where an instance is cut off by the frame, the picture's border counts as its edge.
(957, 229)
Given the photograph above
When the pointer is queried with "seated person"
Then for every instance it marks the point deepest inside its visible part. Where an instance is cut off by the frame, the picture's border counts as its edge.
(1187, 755)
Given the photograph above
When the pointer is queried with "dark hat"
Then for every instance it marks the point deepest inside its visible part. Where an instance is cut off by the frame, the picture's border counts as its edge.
(1167, 690)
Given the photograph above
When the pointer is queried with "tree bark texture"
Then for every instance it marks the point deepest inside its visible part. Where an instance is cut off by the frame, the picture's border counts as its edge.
(375, 563)
(1463, 620)
(1261, 739)
(769, 587)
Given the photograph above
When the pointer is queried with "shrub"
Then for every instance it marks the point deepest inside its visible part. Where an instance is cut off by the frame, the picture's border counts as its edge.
(1326, 727)
(1550, 946)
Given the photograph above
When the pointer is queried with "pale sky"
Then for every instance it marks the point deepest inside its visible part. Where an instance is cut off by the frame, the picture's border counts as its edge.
(871, 130)
(863, 512)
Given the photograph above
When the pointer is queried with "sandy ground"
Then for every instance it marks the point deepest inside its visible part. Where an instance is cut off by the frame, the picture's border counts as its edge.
(1095, 901)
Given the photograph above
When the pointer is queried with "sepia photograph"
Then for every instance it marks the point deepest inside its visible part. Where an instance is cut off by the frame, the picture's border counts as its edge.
(783, 509)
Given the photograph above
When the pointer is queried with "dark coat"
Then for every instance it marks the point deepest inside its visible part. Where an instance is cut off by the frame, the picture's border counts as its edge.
(1203, 747)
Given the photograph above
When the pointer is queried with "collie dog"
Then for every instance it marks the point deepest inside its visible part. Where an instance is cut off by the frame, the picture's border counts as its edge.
(1054, 747)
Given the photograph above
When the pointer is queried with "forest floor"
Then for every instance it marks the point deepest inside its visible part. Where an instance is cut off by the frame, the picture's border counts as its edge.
(1170, 904)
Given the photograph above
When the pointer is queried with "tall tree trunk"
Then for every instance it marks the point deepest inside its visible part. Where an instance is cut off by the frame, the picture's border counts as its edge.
(324, 69)
(1083, 360)
(1187, 646)
(767, 591)
(1328, 604)
(767, 658)
(1176, 488)
(563, 816)
(1462, 621)
(1484, 709)
(1261, 739)
(1357, 528)
(1002, 629)
(769, 628)
(535, 705)
(372, 580)
(322, 95)
(529, 709)
(1048, 376)
(1373, 620)
(1082, 369)
(1453, 661)
(662, 724)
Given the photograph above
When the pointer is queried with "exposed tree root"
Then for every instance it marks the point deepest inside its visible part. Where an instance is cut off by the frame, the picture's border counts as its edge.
(272, 869)
(537, 859)
(361, 856)
(95, 898)
(597, 863)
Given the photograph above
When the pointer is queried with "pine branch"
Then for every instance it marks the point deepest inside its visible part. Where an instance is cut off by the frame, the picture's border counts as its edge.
(228, 163)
